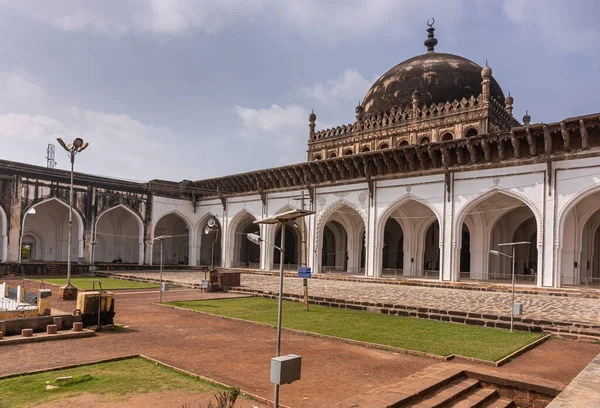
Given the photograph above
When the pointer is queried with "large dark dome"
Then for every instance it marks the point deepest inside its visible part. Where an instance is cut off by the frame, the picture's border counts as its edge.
(438, 77)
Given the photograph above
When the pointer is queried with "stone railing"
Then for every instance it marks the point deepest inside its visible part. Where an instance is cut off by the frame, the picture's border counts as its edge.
(400, 115)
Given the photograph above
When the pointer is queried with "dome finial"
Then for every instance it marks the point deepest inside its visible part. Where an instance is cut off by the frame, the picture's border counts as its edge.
(430, 42)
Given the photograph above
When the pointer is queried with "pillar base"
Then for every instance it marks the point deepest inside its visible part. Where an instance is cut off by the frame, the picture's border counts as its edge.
(67, 292)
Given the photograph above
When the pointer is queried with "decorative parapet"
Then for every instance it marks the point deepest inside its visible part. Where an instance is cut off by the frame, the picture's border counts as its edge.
(500, 111)
(399, 116)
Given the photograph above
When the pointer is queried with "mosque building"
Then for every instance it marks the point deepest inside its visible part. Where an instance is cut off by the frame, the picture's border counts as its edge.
(432, 174)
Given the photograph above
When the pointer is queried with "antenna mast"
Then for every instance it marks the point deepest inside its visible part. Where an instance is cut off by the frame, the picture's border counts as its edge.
(50, 163)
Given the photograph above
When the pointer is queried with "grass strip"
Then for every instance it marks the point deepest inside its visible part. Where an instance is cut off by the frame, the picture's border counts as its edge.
(112, 381)
(86, 283)
(409, 333)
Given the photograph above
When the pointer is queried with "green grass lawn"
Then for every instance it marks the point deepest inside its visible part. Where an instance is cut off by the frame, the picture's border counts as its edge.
(85, 283)
(114, 381)
(409, 333)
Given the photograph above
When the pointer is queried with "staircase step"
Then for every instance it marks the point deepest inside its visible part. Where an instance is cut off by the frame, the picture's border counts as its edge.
(477, 399)
(452, 392)
(502, 403)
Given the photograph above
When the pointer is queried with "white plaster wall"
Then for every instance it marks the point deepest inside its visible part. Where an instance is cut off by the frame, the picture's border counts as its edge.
(576, 181)
(237, 210)
(3, 236)
(184, 209)
(399, 198)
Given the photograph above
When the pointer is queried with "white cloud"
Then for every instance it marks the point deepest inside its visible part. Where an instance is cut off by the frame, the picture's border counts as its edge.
(561, 26)
(120, 145)
(283, 129)
(329, 20)
(349, 86)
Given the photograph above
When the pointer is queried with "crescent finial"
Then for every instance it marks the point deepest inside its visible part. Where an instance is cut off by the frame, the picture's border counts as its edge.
(432, 22)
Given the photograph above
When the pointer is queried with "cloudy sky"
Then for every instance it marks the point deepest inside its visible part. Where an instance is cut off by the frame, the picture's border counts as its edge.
(190, 89)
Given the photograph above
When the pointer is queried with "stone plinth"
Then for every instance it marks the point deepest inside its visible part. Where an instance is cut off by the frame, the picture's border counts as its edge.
(1, 335)
(27, 332)
(67, 292)
(58, 321)
(51, 329)
(44, 302)
(77, 326)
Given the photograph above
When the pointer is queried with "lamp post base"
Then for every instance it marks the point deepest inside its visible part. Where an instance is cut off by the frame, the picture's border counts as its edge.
(67, 292)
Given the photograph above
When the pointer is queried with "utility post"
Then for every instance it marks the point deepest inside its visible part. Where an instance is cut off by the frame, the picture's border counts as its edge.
(304, 253)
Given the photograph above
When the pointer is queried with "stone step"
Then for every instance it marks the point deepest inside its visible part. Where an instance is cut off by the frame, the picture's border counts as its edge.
(501, 403)
(452, 392)
(478, 399)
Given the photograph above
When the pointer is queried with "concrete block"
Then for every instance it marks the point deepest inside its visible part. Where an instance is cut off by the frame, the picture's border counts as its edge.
(44, 302)
(58, 321)
(51, 329)
(27, 332)
(77, 326)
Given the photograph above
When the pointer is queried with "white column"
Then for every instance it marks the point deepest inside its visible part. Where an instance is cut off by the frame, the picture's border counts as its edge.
(371, 237)
(193, 241)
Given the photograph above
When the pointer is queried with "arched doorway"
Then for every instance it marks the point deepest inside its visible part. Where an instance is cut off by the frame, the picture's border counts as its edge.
(176, 247)
(119, 236)
(45, 232)
(393, 249)
(246, 254)
(431, 252)
(209, 252)
(465, 252)
(293, 247)
(341, 243)
(579, 251)
(496, 218)
(409, 231)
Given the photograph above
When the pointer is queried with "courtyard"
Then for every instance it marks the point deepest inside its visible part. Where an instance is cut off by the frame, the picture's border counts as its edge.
(237, 353)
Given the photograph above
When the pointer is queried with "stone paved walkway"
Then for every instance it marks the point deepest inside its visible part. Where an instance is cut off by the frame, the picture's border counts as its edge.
(568, 309)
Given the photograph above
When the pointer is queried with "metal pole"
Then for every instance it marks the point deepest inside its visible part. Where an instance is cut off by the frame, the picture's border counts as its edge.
(161, 266)
(512, 305)
(70, 220)
(279, 306)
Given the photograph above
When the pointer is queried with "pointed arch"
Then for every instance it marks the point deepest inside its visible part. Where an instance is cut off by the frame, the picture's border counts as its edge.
(353, 234)
(78, 219)
(415, 221)
(238, 247)
(459, 219)
(187, 222)
(575, 257)
(209, 246)
(3, 235)
(139, 222)
(171, 247)
(487, 226)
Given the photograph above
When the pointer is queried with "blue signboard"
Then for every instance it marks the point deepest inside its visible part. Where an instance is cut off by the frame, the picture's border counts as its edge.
(304, 272)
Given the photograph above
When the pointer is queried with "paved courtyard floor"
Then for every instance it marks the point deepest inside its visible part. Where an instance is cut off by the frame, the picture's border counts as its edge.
(568, 309)
(238, 353)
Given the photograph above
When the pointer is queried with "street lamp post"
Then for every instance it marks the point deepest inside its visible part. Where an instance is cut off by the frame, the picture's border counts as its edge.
(212, 226)
(512, 258)
(255, 238)
(68, 291)
(151, 242)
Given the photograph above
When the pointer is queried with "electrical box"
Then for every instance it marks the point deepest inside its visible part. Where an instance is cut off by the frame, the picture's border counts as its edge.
(164, 287)
(518, 309)
(285, 369)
